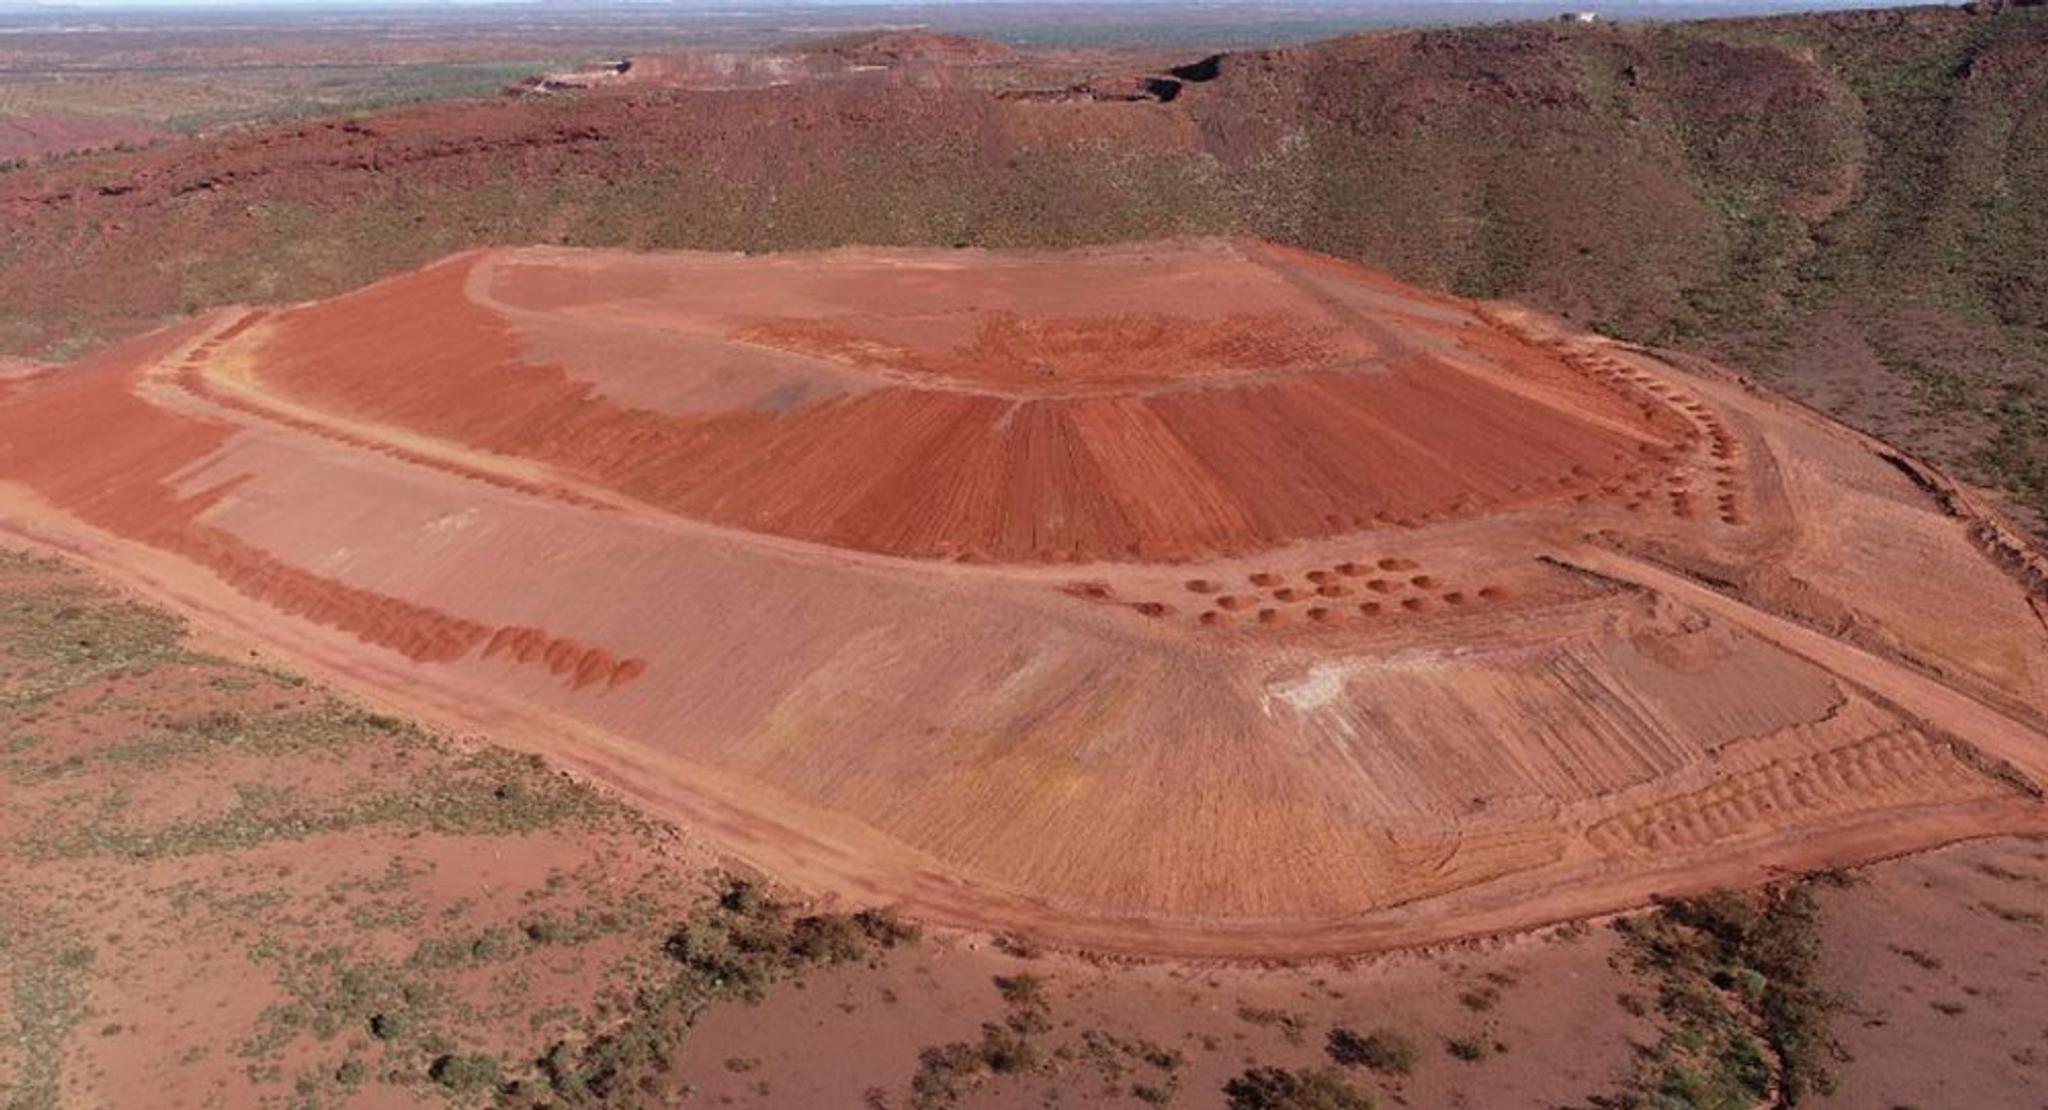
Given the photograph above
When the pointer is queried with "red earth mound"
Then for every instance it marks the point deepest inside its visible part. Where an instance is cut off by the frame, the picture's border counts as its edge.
(1075, 415)
(1192, 597)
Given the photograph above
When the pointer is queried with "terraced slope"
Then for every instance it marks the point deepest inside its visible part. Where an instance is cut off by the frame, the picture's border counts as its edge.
(1848, 203)
(1073, 419)
(1192, 597)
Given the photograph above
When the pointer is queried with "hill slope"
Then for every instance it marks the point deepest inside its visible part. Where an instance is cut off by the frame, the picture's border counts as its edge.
(1194, 598)
(1851, 205)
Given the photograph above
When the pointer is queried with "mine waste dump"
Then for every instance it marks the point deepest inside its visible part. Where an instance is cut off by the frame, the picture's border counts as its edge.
(1202, 598)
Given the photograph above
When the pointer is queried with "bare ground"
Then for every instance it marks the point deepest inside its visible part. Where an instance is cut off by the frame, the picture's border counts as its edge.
(226, 886)
(1722, 645)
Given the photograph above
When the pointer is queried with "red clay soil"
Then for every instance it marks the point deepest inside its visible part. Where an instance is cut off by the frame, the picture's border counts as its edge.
(103, 490)
(1194, 597)
(1156, 435)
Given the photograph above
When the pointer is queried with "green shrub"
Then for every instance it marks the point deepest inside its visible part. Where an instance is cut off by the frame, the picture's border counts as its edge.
(1468, 1049)
(1384, 1050)
(463, 1073)
(1022, 990)
(1730, 966)
(1280, 1089)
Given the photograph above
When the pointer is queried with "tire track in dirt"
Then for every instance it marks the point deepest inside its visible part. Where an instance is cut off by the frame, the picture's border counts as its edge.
(1892, 770)
(2003, 739)
(828, 854)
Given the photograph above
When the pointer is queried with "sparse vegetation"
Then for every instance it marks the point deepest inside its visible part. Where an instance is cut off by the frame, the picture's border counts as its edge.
(191, 98)
(732, 949)
(946, 1073)
(48, 973)
(1158, 1067)
(463, 1073)
(1480, 998)
(1470, 1049)
(367, 984)
(1268, 1088)
(1025, 990)
(1743, 1016)
(1385, 1050)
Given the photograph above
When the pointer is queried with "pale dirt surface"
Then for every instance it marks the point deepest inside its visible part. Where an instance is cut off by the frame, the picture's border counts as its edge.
(214, 879)
(1186, 598)
(1547, 1001)
(1943, 957)
(1937, 956)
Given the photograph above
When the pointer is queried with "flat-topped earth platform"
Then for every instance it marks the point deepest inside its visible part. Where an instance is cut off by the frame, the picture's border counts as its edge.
(1159, 403)
(1192, 598)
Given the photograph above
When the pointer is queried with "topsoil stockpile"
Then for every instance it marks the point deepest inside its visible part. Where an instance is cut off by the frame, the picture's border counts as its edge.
(1200, 598)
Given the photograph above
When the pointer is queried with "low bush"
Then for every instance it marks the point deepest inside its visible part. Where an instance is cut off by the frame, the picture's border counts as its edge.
(1269, 1088)
(1384, 1050)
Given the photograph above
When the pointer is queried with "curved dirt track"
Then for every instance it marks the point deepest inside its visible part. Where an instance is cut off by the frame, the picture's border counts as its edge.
(1422, 621)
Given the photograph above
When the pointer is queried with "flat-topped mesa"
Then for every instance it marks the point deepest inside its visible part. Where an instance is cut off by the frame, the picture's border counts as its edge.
(1165, 402)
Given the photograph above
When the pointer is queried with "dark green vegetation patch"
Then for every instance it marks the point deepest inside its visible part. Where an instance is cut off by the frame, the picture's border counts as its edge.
(1743, 1020)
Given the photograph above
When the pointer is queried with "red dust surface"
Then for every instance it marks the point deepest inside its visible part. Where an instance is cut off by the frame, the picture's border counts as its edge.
(1199, 598)
(1073, 419)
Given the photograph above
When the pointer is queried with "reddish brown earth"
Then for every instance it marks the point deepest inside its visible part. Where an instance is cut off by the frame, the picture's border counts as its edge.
(1939, 949)
(1075, 420)
(1846, 203)
(224, 886)
(1194, 597)
(25, 137)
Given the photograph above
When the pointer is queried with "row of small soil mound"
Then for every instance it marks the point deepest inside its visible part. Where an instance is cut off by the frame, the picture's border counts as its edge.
(1327, 596)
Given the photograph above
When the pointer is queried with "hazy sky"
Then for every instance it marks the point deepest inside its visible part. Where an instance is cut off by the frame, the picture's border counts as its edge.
(60, 5)
(1637, 8)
